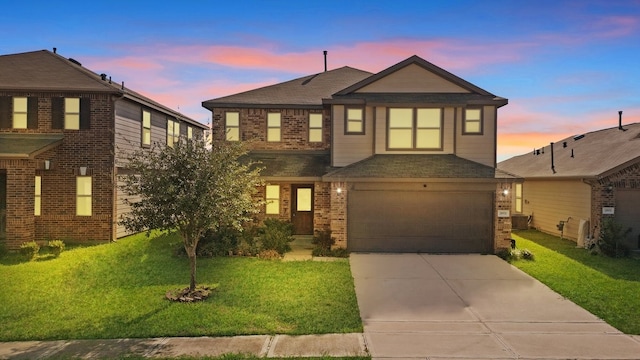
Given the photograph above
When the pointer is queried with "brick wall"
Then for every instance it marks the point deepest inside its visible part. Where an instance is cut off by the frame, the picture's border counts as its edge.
(294, 128)
(339, 213)
(502, 225)
(91, 148)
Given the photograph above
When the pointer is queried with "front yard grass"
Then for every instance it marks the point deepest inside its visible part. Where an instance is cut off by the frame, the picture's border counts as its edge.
(608, 288)
(117, 291)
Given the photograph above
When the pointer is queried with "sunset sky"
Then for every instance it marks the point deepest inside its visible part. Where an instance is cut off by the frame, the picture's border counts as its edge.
(567, 67)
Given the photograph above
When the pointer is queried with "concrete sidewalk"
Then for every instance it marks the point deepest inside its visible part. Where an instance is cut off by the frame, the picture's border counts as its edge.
(473, 307)
(258, 345)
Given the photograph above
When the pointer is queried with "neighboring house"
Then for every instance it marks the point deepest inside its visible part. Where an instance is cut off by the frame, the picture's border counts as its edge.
(402, 160)
(64, 132)
(582, 180)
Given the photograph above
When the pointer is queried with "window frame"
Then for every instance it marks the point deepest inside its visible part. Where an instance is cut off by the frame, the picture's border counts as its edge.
(37, 196)
(314, 129)
(25, 112)
(83, 196)
(517, 195)
(68, 114)
(172, 126)
(144, 129)
(414, 130)
(227, 127)
(466, 121)
(270, 127)
(189, 133)
(271, 200)
(347, 120)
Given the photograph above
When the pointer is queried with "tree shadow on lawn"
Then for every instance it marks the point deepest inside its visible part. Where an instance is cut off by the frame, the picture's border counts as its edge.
(617, 268)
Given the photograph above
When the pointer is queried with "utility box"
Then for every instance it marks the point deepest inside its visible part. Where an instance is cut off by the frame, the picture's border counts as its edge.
(520, 222)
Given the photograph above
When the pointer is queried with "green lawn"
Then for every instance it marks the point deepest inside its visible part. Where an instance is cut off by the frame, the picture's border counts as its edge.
(607, 287)
(117, 290)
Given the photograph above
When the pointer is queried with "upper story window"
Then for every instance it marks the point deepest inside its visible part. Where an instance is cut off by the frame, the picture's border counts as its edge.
(72, 113)
(19, 112)
(173, 132)
(472, 121)
(272, 198)
(274, 129)
(232, 126)
(146, 128)
(189, 132)
(414, 129)
(354, 121)
(315, 127)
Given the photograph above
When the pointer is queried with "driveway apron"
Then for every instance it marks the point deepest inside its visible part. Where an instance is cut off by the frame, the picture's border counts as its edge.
(473, 306)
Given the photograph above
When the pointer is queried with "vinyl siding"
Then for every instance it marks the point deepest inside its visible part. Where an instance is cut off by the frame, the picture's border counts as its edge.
(478, 148)
(552, 201)
(347, 149)
(413, 79)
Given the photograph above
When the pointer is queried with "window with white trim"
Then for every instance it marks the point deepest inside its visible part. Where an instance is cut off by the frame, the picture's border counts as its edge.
(173, 132)
(518, 197)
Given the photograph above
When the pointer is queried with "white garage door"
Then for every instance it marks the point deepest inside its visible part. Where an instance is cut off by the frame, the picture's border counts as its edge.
(412, 221)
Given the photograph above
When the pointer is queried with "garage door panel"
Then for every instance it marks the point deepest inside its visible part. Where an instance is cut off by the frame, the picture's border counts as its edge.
(627, 212)
(409, 221)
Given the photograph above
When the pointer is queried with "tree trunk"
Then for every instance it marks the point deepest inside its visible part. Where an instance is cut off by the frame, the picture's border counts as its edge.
(191, 253)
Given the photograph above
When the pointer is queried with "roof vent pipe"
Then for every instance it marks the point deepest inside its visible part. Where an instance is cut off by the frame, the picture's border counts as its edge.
(325, 60)
(553, 167)
(620, 121)
(55, 50)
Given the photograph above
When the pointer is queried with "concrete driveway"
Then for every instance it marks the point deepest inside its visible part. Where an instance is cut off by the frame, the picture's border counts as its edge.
(473, 306)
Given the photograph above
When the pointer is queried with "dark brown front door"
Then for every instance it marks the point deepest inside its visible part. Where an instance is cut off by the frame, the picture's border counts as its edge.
(302, 209)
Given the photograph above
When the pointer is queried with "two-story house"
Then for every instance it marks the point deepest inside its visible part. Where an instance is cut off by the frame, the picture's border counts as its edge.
(398, 161)
(64, 135)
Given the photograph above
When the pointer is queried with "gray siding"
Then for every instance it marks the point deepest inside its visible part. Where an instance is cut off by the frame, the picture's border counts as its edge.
(551, 201)
(348, 149)
(413, 79)
(478, 148)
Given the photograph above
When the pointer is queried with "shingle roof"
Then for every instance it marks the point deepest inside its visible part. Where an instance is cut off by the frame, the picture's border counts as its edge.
(292, 164)
(391, 166)
(43, 70)
(27, 146)
(595, 154)
(306, 91)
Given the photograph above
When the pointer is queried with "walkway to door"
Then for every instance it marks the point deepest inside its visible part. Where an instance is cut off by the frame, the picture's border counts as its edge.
(473, 306)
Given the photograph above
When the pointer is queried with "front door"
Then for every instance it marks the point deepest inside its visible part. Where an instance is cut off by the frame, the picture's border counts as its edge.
(302, 209)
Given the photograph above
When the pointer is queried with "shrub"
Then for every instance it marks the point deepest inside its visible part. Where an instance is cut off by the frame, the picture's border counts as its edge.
(612, 236)
(222, 242)
(510, 255)
(323, 239)
(56, 246)
(269, 255)
(29, 250)
(248, 244)
(276, 235)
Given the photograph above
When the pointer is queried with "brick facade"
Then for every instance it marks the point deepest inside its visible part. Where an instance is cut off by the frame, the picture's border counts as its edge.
(91, 148)
(502, 225)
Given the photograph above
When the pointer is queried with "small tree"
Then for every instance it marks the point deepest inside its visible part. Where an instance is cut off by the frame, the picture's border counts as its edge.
(191, 189)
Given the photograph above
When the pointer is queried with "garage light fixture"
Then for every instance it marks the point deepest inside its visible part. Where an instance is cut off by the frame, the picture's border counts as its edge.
(505, 192)
(339, 190)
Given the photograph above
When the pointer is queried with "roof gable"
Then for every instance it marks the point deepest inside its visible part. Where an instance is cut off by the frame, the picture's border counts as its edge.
(413, 75)
(591, 155)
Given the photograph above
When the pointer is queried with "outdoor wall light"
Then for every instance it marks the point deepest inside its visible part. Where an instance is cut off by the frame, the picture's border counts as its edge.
(339, 190)
(505, 192)
(83, 170)
(47, 164)
(609, 188)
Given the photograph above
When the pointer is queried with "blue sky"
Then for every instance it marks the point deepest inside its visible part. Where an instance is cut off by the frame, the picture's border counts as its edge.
(567, 67)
